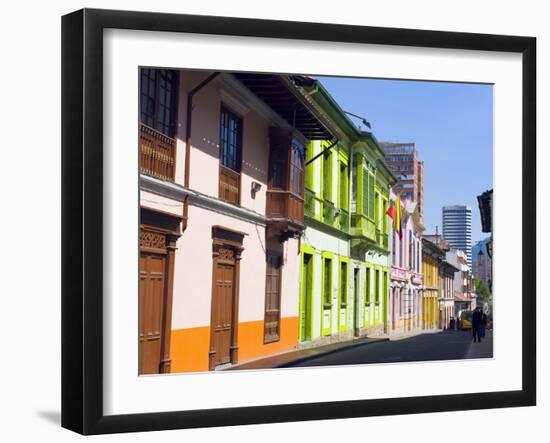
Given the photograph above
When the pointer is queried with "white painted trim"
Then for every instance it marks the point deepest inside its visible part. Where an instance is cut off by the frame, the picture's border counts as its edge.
(164, 188)
(177, 192)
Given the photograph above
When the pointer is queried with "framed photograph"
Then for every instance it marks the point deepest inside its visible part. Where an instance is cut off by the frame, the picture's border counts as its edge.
(269, 221)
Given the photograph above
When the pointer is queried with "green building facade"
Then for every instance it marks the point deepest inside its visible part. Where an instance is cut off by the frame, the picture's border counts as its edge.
(345, 256)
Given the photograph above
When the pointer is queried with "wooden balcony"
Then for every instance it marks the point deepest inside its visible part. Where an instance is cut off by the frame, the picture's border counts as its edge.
(284, 206)
(229, 185)
(158, 154)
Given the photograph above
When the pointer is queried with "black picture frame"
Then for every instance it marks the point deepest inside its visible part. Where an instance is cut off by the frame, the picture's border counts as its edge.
(82, 239)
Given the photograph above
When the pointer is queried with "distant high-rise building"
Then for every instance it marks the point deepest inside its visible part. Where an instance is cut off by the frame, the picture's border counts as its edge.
(457, 228)
(402, 160)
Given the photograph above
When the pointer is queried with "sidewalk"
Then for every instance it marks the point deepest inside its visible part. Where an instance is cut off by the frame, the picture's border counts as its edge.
(301, 355)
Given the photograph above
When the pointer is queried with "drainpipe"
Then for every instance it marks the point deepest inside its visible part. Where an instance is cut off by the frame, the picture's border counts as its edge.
(188, 122)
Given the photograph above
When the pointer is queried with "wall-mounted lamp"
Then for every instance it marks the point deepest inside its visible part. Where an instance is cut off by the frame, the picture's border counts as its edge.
(254, 188)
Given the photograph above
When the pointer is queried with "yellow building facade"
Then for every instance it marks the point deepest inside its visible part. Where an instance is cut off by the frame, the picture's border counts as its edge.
(431, 257)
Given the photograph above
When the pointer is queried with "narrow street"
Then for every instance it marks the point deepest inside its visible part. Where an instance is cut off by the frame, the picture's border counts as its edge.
(446, 345)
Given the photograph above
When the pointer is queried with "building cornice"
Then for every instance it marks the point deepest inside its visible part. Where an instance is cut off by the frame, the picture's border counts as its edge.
(178, 193)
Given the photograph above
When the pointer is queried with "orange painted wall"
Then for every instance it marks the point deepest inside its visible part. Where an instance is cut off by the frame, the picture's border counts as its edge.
(189, 347)
(251, 339)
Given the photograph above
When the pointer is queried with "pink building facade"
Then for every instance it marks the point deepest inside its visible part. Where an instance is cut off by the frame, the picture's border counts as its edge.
(406, 282)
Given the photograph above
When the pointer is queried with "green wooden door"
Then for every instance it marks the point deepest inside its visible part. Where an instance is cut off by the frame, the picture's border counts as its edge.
(306, 299)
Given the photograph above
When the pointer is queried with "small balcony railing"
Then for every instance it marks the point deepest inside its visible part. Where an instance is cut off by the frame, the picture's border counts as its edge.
(158, 154)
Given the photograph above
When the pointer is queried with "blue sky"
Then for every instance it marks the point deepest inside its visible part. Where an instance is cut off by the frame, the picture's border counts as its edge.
(451, 124)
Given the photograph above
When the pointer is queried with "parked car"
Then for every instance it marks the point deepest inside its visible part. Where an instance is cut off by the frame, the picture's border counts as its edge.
(465, 320)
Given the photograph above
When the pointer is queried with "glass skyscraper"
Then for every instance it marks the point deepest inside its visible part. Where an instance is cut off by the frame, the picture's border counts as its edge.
(457, 228)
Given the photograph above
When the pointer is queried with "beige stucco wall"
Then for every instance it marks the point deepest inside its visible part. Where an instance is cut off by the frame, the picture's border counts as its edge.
(205, 141)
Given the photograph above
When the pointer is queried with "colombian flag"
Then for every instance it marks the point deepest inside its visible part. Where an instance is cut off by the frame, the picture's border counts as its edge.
(394, 211)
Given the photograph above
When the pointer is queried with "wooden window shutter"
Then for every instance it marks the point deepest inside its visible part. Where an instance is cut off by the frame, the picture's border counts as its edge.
(272, 318)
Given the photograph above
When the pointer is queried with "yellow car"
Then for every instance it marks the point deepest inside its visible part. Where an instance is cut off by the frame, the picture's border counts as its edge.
(465, 320)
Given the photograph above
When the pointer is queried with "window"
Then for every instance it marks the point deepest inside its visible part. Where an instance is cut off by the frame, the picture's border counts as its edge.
(231, 130)
(365, 189)
(401, 252)
(272, 318)
(384, 216)
(367, 286)
(327, 175)
(158, 99)
(393, 248)
(377, 209)
(410, 250)
(343, 186)
(230, 140)
(277, 166)
(385, 283)
(296, 182)
(377, 286)
(354, 187)
(343, 284)
(371, 196)
(327, 283)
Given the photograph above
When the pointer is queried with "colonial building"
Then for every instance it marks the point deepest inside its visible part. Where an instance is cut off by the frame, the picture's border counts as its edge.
(432, 257)
(464, 295)
(406, 288)
(446, 293)
(222, 198)
(446, 300)
(345, 251)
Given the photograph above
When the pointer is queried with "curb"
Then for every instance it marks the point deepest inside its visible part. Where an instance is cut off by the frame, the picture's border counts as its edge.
(332, 351)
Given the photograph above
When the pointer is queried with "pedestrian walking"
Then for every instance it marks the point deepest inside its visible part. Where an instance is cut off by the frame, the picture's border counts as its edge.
(483, 325)
(476, 324)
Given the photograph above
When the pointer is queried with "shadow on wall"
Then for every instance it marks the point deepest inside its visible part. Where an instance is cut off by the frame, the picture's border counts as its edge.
(205, 131)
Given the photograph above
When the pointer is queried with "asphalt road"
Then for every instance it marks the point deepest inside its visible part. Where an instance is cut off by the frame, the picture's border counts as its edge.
(446, 345)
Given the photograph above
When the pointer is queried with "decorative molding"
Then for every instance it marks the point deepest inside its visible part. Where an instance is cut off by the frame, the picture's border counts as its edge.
(226, 254)
(163, 188)
(149, 239)
(178, 193)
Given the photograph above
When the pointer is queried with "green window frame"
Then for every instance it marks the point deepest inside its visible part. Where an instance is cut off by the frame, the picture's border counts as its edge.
(385, 283)
(354, 187)
(309, 169)
(343, 284)
(367, 285)
(327, 173)
(377, 286)
(344, 185)
(327, 283)
(377, 209)
(365, 189)
(371, 194)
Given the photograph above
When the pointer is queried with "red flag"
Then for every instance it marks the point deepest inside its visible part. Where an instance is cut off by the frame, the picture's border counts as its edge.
(391, 211)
